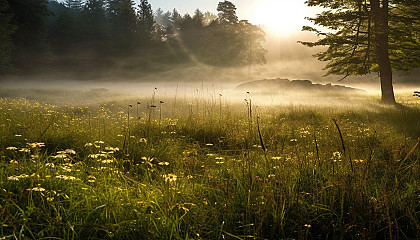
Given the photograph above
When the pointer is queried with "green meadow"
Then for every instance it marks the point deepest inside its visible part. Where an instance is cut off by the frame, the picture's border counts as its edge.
(106, 165)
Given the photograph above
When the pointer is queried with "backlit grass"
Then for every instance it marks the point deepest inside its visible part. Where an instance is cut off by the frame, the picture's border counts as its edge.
(205, 168)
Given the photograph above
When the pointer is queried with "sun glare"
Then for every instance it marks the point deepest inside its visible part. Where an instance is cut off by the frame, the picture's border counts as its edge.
(280, 16)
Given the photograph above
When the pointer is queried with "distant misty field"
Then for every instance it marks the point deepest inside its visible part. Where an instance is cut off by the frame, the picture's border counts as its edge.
(202, 163)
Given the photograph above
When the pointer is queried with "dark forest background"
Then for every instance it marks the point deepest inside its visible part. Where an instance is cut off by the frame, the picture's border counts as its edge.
(98, 38)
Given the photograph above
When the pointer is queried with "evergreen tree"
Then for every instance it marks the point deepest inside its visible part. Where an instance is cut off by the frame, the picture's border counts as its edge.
(174, 22)
(65, 38)
(198, 18)
(146, 21)
(405, 37)
(225, 42)
(159, 16)
(6, 44)
(166, 19)
(222, 45)
(251, 37)
(227, 12)
(95, 21)
(176, 17)
(31, 53)
(65, 30)
(163, 24)
(192, 35)
(95, 34)
(368, 36)
(123, 25)
(208, 18)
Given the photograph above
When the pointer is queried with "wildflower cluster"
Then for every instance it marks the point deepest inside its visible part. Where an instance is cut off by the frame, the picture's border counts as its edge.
(65, 155)
(17, 178)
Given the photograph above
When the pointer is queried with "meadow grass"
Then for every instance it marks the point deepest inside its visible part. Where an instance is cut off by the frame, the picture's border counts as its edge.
(206, 168)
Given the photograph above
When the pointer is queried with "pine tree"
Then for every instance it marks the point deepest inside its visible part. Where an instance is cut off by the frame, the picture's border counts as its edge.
(6, 44)
(159, 16)
(198, 17)
(225, 41)
(123, 24)
(94, 18)
(146, 21)
(227, 12)
(31, 53)
(95, 27)
(368, 36)
(208, 18)
(251, 37)
(176, 17)
(166, 19)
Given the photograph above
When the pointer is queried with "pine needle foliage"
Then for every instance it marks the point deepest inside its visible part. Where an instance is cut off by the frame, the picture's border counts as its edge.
(365, 36)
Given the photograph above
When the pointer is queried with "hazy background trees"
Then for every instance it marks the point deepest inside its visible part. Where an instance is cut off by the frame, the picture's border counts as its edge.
(30, 40)
(92, 38)
(6, 44)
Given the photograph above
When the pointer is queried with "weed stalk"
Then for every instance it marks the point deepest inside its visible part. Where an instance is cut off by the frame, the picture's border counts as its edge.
(342, 144)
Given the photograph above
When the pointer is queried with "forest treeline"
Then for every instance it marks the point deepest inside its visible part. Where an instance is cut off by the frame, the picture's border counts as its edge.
(95, 38)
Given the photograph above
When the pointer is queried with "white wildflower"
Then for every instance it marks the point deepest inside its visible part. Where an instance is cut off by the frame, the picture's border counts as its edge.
(70, 151)
(26, 150)
(36, 145)
(50, 165)
(170, 177)
(38, 189)
(13, 178)
(61, 155)
(65, 177)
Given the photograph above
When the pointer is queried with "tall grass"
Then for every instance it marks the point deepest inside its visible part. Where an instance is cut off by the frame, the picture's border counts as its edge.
(98, 171)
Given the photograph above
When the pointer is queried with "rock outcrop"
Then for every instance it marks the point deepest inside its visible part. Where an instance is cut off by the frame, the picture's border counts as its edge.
(282, 85)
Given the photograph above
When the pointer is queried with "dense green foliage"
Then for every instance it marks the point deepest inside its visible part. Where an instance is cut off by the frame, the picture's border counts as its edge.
(102, 169)
(351, 43)
(30, 38)
(95, 38)
(368, 36)
(6, 29)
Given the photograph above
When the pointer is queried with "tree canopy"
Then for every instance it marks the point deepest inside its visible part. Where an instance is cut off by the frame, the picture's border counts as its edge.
(367, 36)
(86, 39)
(7, 29)
(223, 41)
(227, 12)
(30, 37)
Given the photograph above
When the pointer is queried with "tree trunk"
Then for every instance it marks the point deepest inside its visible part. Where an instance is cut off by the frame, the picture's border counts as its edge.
(381, 31)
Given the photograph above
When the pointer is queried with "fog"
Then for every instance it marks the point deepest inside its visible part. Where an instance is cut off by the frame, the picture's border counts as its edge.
(286, 58)
(180, 53)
